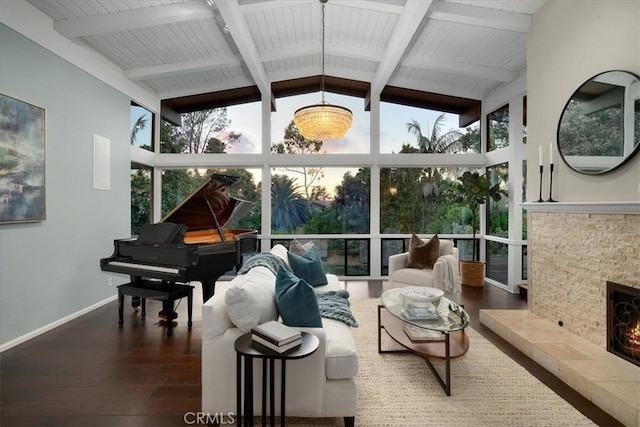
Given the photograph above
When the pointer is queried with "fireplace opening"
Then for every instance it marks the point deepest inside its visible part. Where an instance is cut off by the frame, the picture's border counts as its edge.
(623, 322)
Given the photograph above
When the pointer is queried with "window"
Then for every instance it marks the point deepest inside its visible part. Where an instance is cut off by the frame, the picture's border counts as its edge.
(142, 124)
(405, 129)
(498, 212)
(497, 261)
(343, 257)
(498, 129)
(415, 200)
(235, 129)
(141, 198)
(285, 137)
(178, 184)
(320, 200)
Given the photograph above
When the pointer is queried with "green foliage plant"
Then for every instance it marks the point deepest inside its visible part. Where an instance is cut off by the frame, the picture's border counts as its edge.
(473, 190)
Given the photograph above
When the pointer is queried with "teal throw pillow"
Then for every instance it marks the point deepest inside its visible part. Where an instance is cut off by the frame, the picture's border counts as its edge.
(296, 300)
(308, 267)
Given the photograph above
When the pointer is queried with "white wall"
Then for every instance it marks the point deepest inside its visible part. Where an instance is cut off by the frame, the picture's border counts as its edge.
(50, 270)
(570, 42)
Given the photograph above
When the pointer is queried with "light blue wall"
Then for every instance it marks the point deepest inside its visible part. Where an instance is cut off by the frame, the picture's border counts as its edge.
(50, 270)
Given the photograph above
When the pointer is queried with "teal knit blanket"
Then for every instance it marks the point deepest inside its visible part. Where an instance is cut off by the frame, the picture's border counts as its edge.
(335, 305)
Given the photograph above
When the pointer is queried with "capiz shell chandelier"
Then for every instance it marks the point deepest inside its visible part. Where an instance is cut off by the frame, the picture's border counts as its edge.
(323, 120)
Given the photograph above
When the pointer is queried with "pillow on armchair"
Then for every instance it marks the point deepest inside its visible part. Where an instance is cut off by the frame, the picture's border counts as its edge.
(423, 254)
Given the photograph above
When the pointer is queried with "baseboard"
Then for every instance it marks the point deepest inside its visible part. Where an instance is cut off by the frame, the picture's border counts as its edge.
(26, 337)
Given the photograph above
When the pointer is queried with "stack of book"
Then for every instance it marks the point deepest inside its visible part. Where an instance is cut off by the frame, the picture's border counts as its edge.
(276, 336)
(417, 334)
(413, 313)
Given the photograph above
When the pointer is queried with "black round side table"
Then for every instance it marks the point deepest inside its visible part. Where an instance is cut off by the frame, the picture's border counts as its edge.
(249, 349)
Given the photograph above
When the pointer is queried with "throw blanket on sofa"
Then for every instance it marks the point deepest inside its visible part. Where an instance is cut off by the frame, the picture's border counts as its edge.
(451, 277)
(335, 305)
(263, 259)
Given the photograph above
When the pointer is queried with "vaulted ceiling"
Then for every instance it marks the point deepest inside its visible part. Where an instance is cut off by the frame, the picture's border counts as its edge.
(207, 53)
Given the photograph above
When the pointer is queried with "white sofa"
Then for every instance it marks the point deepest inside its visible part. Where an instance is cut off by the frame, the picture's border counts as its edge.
(445, 274)
(321, 385)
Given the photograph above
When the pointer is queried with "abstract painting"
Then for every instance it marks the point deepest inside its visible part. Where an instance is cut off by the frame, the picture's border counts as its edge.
(22, 161)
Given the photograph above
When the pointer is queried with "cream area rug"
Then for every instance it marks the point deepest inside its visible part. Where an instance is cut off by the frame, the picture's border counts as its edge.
(488, 388)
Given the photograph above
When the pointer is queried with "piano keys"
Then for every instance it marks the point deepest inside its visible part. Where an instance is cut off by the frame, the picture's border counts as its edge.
(189, 243)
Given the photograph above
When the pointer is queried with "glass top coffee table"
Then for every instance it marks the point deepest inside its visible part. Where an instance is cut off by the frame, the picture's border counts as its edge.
(435, 323)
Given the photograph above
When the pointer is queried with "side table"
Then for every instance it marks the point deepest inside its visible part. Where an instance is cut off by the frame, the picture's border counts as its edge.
(249, 349)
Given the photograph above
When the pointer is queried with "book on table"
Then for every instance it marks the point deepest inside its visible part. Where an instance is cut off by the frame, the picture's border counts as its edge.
(277, 348)
(413, 313)
(417, 334)
(276, 333)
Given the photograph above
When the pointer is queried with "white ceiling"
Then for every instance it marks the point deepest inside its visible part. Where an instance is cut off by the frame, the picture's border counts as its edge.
(176, 48)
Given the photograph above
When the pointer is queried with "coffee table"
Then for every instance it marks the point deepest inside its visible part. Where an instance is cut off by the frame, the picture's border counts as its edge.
(450, 323)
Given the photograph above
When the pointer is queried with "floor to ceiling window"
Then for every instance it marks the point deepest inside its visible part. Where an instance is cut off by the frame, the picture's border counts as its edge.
(358, 204)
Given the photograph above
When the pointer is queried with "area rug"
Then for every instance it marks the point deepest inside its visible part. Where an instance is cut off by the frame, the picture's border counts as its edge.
(488, 388)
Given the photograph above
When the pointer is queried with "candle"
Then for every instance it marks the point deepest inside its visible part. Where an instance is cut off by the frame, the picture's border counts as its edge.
(551, 153)
(540, 152)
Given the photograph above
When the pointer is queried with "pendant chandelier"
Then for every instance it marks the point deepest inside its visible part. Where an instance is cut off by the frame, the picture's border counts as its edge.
(323, 120)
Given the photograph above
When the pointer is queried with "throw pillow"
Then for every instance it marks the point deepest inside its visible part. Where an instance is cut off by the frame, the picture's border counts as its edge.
(298, 248)
(296, 300)
(421, 254)
(250, 301)
(308, 267)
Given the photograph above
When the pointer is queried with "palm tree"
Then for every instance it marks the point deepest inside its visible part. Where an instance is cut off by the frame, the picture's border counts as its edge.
(140, 124)
(436, 142)
(289, 210)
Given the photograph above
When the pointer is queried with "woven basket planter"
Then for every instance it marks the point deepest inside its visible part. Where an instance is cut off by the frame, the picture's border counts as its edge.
(472, 273)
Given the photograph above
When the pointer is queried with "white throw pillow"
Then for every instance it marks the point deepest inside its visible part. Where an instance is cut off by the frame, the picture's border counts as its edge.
(281, 252)
(251, 300)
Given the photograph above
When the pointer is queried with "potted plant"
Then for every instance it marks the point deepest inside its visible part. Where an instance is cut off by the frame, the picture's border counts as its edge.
(473, 190)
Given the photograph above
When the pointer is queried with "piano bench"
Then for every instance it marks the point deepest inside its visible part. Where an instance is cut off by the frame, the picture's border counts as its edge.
(167, 292)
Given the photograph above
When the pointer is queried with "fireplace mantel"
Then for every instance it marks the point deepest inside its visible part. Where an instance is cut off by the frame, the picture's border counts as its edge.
(625, 208)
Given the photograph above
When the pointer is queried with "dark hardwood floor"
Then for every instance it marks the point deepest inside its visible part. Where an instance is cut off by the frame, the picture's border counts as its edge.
(90, 372)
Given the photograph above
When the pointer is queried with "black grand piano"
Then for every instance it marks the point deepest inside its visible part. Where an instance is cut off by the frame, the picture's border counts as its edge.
(189, 243)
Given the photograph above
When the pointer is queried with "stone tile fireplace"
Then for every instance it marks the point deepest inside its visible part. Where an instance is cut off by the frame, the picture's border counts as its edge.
(574, 249)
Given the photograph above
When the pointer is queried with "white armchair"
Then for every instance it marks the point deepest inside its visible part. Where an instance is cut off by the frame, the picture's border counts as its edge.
(445, 274)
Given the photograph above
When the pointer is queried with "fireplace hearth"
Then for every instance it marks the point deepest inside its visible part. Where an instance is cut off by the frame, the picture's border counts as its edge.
(623, 322)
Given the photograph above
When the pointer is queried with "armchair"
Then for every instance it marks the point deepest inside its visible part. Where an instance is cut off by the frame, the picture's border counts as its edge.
(445, 274)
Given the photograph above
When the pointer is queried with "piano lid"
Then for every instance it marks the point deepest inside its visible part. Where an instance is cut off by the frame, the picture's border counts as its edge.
(210, 206)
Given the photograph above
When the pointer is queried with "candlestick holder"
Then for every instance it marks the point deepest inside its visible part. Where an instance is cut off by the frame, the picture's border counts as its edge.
(540, 198)
(550, 182)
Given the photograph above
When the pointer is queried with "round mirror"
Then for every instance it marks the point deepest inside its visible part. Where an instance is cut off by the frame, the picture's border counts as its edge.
(599, 128)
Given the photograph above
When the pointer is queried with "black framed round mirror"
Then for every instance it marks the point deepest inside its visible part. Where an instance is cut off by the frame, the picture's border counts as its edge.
(599, 129)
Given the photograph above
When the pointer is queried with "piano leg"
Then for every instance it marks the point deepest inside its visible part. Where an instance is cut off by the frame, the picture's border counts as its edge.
(167, 310)
(208, 289)
(120, 307)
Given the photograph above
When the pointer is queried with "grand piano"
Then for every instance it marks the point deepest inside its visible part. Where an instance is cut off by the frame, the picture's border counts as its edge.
(189, 243)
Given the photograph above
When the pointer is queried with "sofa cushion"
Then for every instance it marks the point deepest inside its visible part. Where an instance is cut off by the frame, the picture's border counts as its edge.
(340, 351)
(413, 276)
(423, 254)
(308, 267)
(250, 300)
(296, 301)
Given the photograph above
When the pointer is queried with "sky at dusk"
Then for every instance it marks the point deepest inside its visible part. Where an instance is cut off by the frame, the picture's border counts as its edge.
(247, 120)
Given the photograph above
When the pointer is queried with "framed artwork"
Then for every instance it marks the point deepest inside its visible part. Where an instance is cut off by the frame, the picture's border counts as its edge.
(22, 161)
